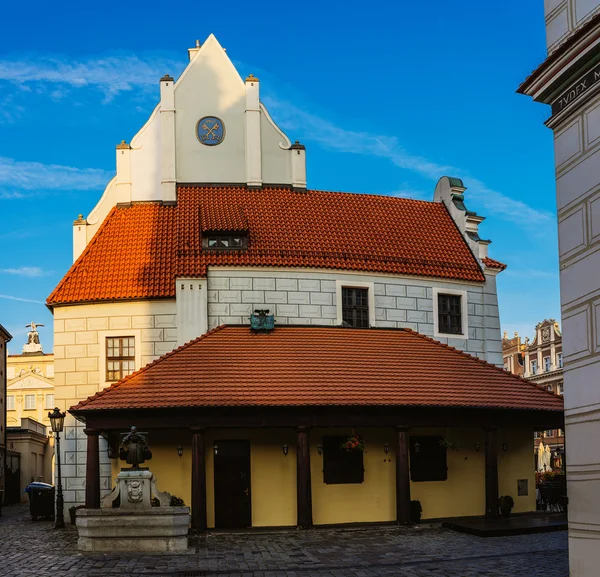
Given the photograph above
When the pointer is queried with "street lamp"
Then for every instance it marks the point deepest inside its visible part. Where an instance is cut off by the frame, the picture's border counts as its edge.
(57, 420)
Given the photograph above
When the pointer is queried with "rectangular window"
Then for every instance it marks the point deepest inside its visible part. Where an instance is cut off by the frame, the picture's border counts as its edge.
(561, 389)
(49, 404)
(225, 242)
(10, 403)
(341, 466)
(120, 357)
(449, 314)
(549, 387)
(29, 402)
(547, 364)
(559, 360)
(549, 433)
(428, 460)
(560, 433)
(536, 435)
(533, 367)
(355, 307)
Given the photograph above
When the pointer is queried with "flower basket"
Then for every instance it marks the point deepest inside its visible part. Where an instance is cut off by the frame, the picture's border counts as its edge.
(354, 443)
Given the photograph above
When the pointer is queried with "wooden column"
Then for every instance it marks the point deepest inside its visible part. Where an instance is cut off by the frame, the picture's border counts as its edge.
(304, 493)
(402, 476)
(198, 480)
(92, 469)
(491, 473)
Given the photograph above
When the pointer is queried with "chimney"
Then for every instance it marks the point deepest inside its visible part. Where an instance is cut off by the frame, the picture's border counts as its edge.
(253, 143)
(193, 51)
(123, 181)
(168, 179)
(79, 236)
(298, 166)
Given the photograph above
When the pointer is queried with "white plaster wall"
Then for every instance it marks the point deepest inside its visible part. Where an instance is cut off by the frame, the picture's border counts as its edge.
(80, 334)
(309, 297)
(276, 162)
(210, 86)
(577, 146)
(145, 160)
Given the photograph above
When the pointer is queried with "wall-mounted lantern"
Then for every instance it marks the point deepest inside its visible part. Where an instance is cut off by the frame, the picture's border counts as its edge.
(286, 449)
(417, 446)
(216, 449)
(179, 450)
(477, 447)
(386, 447)
(320, 449)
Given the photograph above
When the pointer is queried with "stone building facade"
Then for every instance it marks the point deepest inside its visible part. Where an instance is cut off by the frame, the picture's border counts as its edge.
(5, 337)
(153, 269)
(569, 81)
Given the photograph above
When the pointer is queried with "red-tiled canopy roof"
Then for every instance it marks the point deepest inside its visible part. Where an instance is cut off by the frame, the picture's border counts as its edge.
(491, 263)
(140, 250)
(311, 366)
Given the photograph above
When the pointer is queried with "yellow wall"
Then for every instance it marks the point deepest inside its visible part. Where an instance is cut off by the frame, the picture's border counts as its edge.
(463, 492)
(372, 500)
(517, 462)
(273, 476)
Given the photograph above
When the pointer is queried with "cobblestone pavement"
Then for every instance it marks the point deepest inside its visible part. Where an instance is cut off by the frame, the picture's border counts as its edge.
(35, 549)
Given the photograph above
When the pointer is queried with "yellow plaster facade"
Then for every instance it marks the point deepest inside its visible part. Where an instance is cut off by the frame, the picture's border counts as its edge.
(273, 475)
(31, 375)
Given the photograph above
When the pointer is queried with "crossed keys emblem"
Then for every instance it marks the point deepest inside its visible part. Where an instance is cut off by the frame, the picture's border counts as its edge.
(210, 130)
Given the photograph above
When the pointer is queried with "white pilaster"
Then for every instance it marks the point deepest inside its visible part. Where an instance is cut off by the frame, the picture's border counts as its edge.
(79, 236)
(192, 308)
(123, 181)
(298, 165)
(253, 142)
(168, 180)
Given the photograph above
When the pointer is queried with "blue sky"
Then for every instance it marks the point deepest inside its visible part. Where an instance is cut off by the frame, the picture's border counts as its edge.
(386, 96)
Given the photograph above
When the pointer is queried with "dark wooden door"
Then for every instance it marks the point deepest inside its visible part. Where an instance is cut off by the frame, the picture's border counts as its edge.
(232, 485)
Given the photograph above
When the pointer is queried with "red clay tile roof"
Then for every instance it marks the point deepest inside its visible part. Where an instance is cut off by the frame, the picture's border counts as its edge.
(140, 250)
(491, 263)
(295, 366)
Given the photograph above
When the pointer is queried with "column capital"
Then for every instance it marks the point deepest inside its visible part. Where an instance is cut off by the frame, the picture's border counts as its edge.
(303, 428)
(197, 430)
(402, 428)
(91, 432)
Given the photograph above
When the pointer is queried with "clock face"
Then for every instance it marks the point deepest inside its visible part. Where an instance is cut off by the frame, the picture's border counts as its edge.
(210, 130)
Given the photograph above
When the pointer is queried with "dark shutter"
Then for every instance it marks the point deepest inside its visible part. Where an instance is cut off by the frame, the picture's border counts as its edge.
(341, 466)
(428, 460)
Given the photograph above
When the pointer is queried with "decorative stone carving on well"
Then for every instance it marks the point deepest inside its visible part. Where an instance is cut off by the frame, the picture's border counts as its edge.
(127, 521)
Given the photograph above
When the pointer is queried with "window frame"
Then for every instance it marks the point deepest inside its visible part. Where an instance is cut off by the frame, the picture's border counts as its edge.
(12, 398)
(332, 474)
(533, 368)
(559, 360)
(206, 238)
(359, 313)
(46, 405)
(339, 284)
(547, 364)
(464, 313)
(560, 388)
(120, 358)
(25, 407)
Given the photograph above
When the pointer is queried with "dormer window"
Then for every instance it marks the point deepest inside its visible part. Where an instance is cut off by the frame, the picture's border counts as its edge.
(225, 242)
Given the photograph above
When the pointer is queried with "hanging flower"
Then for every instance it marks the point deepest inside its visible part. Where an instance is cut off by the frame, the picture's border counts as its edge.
(354, 443)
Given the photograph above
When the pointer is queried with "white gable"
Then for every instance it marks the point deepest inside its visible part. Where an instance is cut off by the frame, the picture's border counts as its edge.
(30, 381)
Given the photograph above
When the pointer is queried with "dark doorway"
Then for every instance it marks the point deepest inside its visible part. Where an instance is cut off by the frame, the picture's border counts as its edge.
(13, 478)
(232, 485)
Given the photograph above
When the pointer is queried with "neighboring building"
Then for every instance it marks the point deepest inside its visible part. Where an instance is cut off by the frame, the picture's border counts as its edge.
(30, 390)
(513, 354)
(541, 362)
(569, 81)
(209, 219)
(31, 454)
(5, 337)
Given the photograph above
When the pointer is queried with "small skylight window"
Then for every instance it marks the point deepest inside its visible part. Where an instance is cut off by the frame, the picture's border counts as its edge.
(225, 242)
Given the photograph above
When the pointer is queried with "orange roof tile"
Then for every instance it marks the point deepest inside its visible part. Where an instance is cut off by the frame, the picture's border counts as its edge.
(311, 366)
(491, 263)
(139, 250)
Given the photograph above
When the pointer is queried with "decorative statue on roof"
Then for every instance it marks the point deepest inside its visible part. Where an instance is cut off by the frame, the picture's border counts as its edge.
(134, 449)
(33, 339)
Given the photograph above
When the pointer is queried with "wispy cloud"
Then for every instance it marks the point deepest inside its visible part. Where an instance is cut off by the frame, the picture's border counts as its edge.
(18, 178)
(328, 134)
(20, 299)
(110, 73)
(30, 271)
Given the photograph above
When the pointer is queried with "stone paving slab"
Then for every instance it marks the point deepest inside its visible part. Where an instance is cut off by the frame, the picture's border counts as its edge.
(29, 549)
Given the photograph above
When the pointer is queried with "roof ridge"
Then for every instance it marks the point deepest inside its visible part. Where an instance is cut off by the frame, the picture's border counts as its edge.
(143, 369)
(477, 359)
(80, 258)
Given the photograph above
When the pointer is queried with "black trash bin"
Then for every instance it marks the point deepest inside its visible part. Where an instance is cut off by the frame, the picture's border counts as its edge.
(41, 500)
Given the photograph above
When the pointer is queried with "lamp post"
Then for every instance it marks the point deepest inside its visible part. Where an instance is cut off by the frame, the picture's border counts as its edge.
(57, 421)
